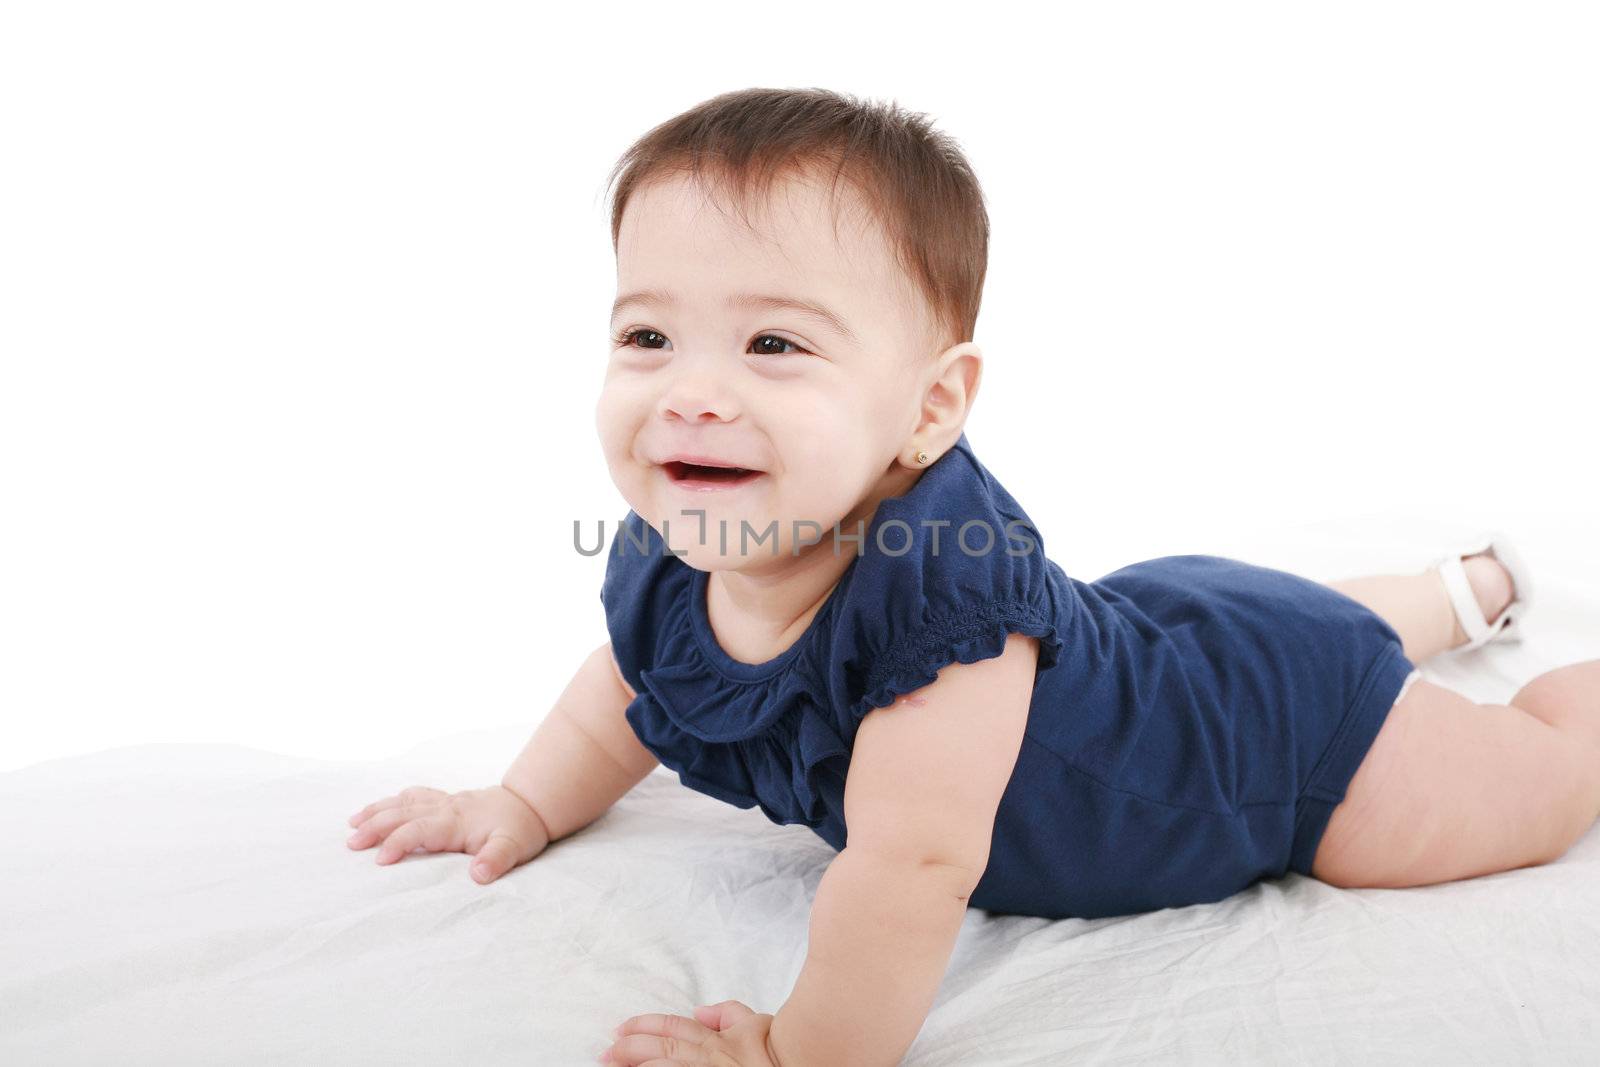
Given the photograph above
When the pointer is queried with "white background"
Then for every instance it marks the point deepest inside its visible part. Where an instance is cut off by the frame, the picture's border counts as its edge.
(303, 315)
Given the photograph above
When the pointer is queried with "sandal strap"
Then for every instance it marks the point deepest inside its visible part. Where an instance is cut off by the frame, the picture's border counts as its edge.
(1477, 628)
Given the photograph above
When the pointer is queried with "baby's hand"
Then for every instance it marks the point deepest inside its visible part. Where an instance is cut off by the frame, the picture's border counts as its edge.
(494, 824)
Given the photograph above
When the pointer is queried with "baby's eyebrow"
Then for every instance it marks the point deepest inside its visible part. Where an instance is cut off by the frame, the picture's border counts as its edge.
(762, 301)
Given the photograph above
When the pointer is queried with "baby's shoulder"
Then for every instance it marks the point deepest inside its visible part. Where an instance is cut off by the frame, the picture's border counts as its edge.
(957, 542)
(947, 572)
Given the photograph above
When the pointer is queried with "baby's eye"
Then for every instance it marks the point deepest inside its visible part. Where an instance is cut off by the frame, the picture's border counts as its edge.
(780, 340)
(626, 340)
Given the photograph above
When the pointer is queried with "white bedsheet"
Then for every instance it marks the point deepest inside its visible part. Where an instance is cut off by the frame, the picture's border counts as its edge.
(173, 904)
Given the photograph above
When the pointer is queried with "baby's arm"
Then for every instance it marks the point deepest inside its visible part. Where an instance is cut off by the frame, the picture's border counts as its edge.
(925, 780)
(584, 755)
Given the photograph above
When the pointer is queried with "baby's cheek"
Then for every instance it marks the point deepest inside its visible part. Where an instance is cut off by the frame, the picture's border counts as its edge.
(908, 698)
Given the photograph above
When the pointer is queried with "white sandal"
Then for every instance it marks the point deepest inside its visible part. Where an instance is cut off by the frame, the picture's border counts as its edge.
(1478, 629)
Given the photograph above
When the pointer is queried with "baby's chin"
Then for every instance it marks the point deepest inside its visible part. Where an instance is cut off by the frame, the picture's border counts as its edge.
(713, 542)
(747, 526)
(767, 568)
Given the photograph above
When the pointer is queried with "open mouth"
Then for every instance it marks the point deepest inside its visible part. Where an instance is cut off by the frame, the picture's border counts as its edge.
(696, 474)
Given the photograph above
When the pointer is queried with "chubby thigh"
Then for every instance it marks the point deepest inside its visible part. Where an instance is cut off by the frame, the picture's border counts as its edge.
(1453, 789)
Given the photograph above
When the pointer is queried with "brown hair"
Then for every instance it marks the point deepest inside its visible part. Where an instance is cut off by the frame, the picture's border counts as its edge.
(914, 180)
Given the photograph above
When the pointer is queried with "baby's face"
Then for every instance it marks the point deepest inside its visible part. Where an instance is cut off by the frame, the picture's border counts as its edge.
(822, 407)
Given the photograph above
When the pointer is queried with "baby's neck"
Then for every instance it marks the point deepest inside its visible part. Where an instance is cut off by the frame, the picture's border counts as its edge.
(756, 617)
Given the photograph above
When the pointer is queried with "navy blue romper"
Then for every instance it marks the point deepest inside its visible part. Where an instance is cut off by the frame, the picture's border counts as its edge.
(1194, 719)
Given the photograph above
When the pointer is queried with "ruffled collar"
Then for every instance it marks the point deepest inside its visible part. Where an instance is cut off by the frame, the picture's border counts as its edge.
(714, 697)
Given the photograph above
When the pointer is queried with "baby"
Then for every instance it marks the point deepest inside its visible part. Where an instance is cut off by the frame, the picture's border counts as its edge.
(821, 603)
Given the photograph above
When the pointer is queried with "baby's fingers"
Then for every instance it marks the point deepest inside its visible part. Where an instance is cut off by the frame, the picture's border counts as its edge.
(383, 823)
(408, 797)
(432, 833)
(367, 812)
(497, 856)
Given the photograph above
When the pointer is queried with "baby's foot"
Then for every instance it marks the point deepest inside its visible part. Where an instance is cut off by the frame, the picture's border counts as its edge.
(1491, 585)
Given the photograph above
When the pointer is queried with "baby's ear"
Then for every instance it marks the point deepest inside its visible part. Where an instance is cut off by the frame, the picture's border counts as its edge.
(952, 394)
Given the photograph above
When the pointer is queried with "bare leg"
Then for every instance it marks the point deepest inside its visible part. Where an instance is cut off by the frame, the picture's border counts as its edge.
(1453, 789)
(1567, 698)
(1418, 607)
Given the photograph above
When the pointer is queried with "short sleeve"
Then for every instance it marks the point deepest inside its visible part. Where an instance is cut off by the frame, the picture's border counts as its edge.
(974, 572)
(640, 592)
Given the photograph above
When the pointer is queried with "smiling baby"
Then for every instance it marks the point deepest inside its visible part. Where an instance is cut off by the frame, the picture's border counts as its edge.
(822, 604)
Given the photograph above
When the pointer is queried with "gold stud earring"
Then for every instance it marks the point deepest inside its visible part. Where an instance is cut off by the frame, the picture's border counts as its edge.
(922, 457)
